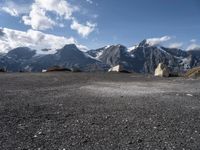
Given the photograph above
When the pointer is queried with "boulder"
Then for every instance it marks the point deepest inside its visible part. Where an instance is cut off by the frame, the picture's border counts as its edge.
(193, 73)
(57, 69)
(44, 70)
(2, 70)
(162, 70)
(76, 69)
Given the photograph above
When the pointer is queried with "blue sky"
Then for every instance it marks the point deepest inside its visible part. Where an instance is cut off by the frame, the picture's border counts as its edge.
(96, 23)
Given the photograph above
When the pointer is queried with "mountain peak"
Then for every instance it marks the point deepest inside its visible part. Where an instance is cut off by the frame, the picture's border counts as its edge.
(21, 52)
(20, 49)
(144, 43)
(118, 47)
(70, 46)
(121, 46)
(68, 50)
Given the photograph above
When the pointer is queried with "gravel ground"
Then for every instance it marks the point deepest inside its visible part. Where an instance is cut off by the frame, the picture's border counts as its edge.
(98, 111)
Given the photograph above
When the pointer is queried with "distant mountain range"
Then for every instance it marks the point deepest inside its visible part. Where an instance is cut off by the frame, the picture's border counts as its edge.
(143, 58)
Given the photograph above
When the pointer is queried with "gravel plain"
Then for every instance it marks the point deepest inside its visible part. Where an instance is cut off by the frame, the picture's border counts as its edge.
(98, 111)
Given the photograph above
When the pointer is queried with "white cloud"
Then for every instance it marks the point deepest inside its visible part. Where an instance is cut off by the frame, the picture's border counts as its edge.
(157, 41)
(89, 1)
(37, 19)
(193, 40)
(193, 46)
(11, 11)
(83, 30)
(40, 8)
(60, 7)
(94, 16)
(14, 9)
(10, 39)
(175, 45)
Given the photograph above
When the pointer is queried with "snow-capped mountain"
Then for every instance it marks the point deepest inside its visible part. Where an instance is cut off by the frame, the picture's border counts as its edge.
(118, 54)
(148, 57)
(17, 59)
(68, 57)
(98, 52)
(142, 58)
(25, 59)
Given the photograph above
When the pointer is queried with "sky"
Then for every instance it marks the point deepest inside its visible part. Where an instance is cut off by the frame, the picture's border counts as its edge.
(96, 23)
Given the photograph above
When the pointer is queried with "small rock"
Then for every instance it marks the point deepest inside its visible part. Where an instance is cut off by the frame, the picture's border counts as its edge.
(139, 140)
(60, 105)
(39, 132)
(130, 142)
(189, 95)
(35, 136)
(85, 141)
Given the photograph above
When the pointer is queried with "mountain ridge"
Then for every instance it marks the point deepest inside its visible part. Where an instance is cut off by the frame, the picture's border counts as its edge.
(142, 58)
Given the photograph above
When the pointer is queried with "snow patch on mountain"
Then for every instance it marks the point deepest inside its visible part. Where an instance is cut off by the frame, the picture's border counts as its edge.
(186, 63)
(132, 48)
(161, 49)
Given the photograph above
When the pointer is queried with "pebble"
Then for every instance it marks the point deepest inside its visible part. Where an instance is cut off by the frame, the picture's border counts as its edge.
(189, 95)
(35, 136)
(39, 132)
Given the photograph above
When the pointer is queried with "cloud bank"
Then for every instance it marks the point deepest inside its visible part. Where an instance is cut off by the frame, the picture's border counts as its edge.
(175, 45)
(157, 41)
(193, 46)
(10, 39)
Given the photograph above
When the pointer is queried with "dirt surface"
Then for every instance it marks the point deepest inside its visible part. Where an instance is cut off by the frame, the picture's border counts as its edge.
(98, 111)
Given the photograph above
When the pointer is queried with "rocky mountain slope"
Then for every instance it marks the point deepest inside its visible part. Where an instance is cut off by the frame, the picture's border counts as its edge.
(176, 59)
(24, 59)
(16, 59)
(142, 58)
